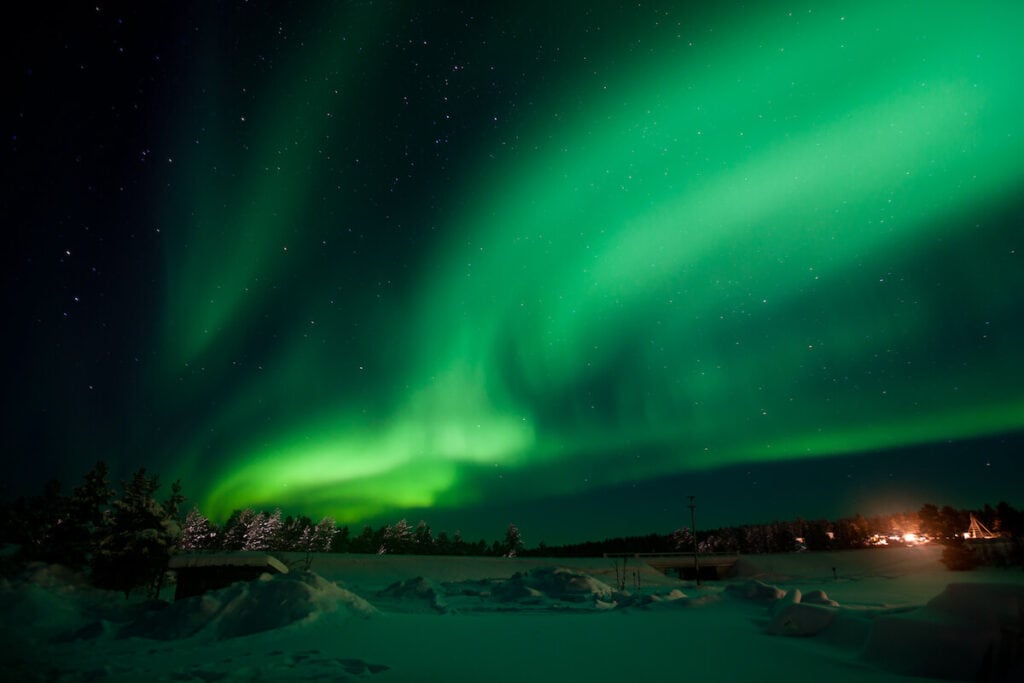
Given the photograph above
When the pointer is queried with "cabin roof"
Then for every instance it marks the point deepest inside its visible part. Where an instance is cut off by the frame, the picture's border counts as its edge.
(241, 559)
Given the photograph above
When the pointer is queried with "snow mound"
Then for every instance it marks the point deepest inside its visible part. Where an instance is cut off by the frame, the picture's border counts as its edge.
(969, 631)
(250, 607)
(51, 610)
(819, 597)
(791, 597)
(755, 590)
(800, 619)
(558, 583)
(60, 606)
(414, 595)
(674, 599)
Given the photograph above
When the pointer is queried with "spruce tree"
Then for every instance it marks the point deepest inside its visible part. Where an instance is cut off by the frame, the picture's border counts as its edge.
(198, 533)
(90, 503)
(513, 544)
(236, 528)
(423, 539)
(323, 535)
(397, 539)
(263, 531)
(138, 539)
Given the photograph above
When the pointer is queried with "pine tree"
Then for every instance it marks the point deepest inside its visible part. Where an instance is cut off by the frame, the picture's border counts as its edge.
(423, 539)
(954, 522)
(59, 528)
(397, 539)
(513, 544)
(236, 528)
(172, 506)
(342, 538)
(364, 542)
(459, 546)
(39, 526)
(317, 539)
(682, 540)
(91, 499)
(138, 539)
(711, 544)
(443, 544)
(291, 533)
(753, 539)
(817, 537)
(323, 534)
(930, 521)
(263, 531)
(198, 533)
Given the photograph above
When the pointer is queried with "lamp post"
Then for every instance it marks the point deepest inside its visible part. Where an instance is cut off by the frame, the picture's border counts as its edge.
(693, 532)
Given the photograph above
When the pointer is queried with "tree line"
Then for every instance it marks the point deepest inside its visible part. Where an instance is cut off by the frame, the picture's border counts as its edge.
(123, 539)
(945, 525)
(249, 529)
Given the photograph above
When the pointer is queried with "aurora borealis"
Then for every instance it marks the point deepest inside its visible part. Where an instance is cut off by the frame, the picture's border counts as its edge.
(390, 261)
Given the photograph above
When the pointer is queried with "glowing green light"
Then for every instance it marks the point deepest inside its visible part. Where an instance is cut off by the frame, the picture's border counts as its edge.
(725, 256)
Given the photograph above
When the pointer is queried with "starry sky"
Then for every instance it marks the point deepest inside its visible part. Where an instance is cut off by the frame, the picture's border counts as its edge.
(558, 266)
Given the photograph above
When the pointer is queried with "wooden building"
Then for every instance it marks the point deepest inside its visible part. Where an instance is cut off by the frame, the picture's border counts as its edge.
(199, 573)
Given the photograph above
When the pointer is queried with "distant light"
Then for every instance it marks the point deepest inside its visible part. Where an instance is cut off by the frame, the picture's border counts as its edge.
(910, 538)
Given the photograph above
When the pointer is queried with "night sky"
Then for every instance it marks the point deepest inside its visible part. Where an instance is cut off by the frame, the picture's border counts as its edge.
(532, 263)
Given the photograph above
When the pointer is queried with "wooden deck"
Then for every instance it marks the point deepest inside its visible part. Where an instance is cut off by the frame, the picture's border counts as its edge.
(711, 565)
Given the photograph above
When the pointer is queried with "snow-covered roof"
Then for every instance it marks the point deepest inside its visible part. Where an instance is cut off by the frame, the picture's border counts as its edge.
(241, 559)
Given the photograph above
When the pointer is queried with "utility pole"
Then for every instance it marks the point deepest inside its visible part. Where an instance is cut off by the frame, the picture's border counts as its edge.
(693, 532)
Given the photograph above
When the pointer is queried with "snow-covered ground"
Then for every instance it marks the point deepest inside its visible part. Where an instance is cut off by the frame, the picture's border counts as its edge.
(885, 615)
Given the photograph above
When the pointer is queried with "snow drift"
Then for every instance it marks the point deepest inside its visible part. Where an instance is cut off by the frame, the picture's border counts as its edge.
(505, 620)
(243, 608)
(969, 631)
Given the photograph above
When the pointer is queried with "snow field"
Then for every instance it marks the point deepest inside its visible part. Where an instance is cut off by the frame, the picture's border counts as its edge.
(883, 615)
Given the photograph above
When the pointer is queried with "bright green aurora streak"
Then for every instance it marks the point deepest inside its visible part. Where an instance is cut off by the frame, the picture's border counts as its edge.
(753, 247)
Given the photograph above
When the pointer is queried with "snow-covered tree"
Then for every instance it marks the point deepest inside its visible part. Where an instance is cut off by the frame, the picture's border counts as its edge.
(198, 533)
(423, 539)
(291, 532)
(236, 528)
(54, 527)
(397, 539)
(90, 500)
(513, 544)
(711, 544)
(323, 534)
(317, 539)
(682, 540)
(754, 540)
(263, 531)
(138, 539)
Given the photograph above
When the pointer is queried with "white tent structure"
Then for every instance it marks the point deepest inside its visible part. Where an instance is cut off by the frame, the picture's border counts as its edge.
(978, 530)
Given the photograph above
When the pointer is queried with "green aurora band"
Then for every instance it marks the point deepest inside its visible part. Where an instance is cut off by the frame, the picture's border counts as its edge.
(785, 242)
